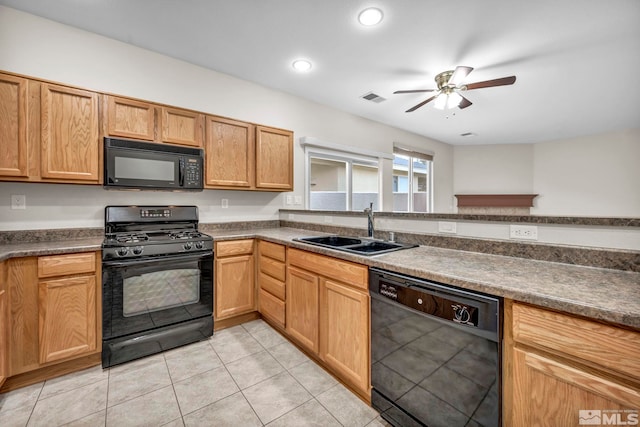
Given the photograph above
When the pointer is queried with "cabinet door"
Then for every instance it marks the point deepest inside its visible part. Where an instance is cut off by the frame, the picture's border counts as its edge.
(67, 317)
(13, 132)
(344, 332)
(548, 392)
(130, 119)
(229, 152)
(235, 286)
(70, 147)
(302, 307)
(4, 349)
(182, 127)
(274, 159)
(22, 283)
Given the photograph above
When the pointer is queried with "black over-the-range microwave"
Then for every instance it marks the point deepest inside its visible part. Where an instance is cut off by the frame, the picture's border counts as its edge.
(130, 164)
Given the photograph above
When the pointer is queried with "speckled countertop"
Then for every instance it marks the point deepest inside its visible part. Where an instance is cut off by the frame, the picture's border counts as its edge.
(603, 294)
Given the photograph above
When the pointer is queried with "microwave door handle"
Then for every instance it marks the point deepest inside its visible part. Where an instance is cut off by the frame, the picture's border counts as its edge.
(181, 173)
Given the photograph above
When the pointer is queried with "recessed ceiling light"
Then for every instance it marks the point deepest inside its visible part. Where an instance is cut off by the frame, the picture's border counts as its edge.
(301, 65)
(370, 16)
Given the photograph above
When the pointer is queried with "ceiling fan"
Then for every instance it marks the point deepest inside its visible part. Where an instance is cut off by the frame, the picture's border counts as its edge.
(449, 87)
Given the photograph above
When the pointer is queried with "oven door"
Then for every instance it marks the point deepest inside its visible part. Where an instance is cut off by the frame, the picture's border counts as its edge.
(145, 294)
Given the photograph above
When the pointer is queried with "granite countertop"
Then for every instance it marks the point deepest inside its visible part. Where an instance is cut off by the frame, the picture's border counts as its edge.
(597, 293)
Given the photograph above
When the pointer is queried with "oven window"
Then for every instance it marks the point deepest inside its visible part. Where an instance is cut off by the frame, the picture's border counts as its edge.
(155, 170)
(160, 290)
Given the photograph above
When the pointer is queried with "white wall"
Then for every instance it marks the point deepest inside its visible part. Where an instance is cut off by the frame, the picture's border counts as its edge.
(40, 48)
(597, 175)
(493, 169)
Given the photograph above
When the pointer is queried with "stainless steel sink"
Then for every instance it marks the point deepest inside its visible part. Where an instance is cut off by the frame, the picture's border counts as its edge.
(355, 245)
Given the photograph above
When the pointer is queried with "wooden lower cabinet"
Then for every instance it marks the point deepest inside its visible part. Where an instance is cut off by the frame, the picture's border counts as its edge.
(235, 290)
(303, 293)
(559, 368)
(54, 315)
(272, 275)
(344, 331)
(328, 310)
(67, 317)
(4, 348)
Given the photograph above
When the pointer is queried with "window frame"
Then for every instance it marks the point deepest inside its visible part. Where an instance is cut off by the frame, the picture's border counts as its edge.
(350, 159)
(412, 184)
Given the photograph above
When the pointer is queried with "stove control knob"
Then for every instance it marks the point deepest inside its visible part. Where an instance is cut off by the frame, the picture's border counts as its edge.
(199, 245)
(122, 251)
(138, 250)
(188, 245)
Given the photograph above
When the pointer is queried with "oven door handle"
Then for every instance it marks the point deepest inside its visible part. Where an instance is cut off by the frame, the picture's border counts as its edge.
(129, 263)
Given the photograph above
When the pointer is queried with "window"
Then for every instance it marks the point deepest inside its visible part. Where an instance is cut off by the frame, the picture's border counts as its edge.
(412, 181)
(341, 183)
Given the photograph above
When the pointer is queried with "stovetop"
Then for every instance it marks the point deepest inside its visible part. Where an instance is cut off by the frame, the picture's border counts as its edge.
(143, 231)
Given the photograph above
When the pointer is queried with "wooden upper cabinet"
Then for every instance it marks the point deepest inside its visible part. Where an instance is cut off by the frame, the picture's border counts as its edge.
(182, 127)
(129, 118)
(274, 159)
(70, 145)
(230, 153)
(13, 132)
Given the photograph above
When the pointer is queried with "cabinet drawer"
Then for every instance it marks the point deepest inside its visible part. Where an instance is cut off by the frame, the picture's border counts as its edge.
(64, 265)
(607, 346)
(273, 268)
(272, 250)
(275, 287)
(348, 272)
(271, 307)
(234, 247)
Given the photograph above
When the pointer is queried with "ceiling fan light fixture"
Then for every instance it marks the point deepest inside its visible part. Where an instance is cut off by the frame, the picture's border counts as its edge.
(441, 101)
(370, 16)
(301, 65)
(453, 100)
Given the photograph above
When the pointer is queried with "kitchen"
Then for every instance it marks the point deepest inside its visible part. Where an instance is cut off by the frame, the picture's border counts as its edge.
(146, 75)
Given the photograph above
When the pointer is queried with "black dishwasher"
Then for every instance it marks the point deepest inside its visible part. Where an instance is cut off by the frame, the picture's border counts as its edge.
(435, 353)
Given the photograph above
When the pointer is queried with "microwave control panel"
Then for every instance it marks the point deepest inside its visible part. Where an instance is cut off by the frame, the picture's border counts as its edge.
(192, 172)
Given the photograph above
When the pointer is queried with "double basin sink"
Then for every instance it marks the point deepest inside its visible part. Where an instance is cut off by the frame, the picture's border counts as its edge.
(355, 245)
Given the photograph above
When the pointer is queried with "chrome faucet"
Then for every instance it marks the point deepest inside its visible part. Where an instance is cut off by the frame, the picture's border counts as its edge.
(369, 212)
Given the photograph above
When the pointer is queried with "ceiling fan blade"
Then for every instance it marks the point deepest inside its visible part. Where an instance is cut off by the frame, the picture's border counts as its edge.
(490, 83)
(464, 103)
(459, 74)
(414, 108)
(414, 91)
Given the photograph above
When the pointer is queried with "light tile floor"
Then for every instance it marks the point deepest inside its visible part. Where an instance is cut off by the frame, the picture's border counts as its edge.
(248, 375)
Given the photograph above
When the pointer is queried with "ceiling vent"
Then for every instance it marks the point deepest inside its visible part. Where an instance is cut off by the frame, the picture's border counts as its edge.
(468, 134)
(373, 97)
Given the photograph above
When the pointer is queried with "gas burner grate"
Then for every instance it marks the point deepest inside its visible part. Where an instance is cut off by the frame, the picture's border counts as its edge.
(185, 235)
(131, 238)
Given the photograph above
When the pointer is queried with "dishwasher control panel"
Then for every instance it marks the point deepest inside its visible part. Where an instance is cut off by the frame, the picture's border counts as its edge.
(433, 299)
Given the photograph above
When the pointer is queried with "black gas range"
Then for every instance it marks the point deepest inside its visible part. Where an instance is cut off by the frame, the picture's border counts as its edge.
(157, 281)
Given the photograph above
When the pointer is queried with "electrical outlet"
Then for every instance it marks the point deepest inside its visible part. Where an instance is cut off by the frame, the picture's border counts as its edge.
(447, 227)
(18, 201)
(289, 199)
(524, 232)
(298, 200)
(225, 203)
